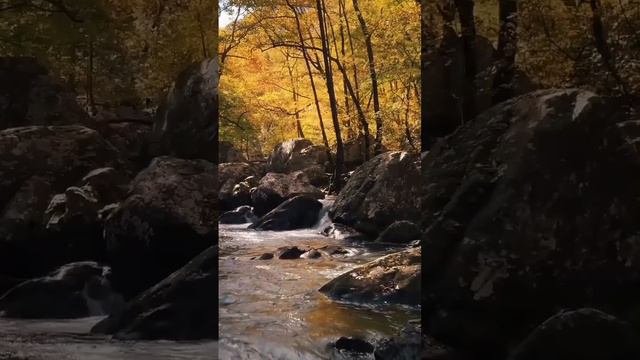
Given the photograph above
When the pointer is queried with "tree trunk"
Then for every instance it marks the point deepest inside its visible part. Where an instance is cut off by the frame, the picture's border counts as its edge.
(468, 26)
(503, 82)
(296, 115)
(337, 176)
(305, 55)
(91, 101)
(374, 78)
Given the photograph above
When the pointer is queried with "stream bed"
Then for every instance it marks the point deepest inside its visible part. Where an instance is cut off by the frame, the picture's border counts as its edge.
(271, 309)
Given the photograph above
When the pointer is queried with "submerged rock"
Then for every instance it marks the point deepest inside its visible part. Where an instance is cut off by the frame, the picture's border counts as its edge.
(299, 212)
(394, 278)
(74, 290)
(183, 306)
(353, 345)
(289, 253)
(169, 217)
(383, 190)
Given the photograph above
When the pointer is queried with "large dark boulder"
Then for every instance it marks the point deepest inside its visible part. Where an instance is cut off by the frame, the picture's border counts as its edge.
(241, 215)
(275, 188)
(528, 209)
(183, 306)
(30, 96)
(584, 334)
(400, 232)
(295, 155)
(296, 213)
(186, 123)
(394, 278)
(383, 190)
(36, 163)
(74, 290)
(168, 218)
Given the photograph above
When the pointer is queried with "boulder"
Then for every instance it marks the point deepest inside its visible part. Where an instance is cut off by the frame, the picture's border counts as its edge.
(400, 232)
(231, 174)
(168, 218)
(295, 155)
(130, 138)
(74, 290)
(394, 278)
(36, 163)
(265, 199)
(299, 212)
(583, 334)
(355, 153)
(183, 306)
(30, 96)
(186, 123)
(353, 345)
(227, 153)
(530, 208)
(385, 189)
(275, 188)
(289, 253)
(241, 215)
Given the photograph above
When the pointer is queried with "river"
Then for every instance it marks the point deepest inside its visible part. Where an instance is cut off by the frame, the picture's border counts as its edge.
(271, 309)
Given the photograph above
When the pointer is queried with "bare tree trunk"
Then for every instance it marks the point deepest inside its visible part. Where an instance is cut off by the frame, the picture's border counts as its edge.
(407, 113)
(374, 78)
(503, 82)
(296, 115)
(337, 176)
(602, 44)
(343, 50)
(356, 80)
(305, 55)
(468, 26)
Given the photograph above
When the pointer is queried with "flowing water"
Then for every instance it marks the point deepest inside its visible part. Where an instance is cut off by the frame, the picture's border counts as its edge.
(271, 309)
(70, 340)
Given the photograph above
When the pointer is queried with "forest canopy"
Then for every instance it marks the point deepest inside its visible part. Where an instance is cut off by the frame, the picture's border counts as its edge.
(275, 84)
(111, 51)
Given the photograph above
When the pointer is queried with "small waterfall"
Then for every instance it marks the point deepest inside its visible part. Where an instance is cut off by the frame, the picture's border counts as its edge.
(323, 217)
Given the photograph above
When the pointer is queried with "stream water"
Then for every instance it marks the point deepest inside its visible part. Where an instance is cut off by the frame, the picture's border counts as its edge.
(271, 309)
(70, 340)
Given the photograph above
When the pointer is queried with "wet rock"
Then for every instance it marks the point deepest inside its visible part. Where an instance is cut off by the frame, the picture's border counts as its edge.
(312, 254)
(131, 138)
(266, 256)
(400, 232)
(317, 176)
(394, 278)
(74, 290)
(185, 124)
(406, 346)
(584, 334)
(290, 185)
(521, 222)
(295, 155)
(183, 306)
(299, 212)
(289, 252)
(353, 345)
(36, 163)
(383, 190)
(330, 250)
(230, 175)
(264, 200)
(339, 231)
(241, 215)
(30, 96)
(227, 153)
(169, 217)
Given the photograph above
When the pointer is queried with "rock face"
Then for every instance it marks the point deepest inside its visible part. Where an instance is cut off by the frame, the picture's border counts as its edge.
(29, 96)
(230, 175)
(384, 189)
(37, 162)
(74, 290)
(295, 155)
(186, 125)
(168, 218)
(296, 213)
(584, 334)
(181, 307)
(400, 232)
(528, 209)
(394, 278)
(227, 153)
